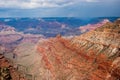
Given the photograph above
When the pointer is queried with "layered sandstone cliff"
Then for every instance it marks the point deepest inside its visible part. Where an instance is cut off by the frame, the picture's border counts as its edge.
(105, 39)
(91, 56)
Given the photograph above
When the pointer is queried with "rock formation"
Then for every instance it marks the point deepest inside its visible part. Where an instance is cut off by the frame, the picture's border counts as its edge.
(10, 39)
(91, 56)
(7, 28)
(8, 71)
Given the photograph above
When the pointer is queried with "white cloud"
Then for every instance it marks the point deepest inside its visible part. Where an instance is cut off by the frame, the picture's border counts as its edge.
(92, 0)
(29, 4)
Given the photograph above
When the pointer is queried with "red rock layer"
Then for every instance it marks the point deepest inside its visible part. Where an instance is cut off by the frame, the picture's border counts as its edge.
(92, 56)
(64, 63)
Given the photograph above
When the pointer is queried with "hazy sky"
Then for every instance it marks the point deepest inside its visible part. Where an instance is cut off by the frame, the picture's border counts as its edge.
(59, 8)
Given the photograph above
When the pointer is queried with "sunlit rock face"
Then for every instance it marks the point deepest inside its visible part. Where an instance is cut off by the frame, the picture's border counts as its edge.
(28, 60)
(91, 56)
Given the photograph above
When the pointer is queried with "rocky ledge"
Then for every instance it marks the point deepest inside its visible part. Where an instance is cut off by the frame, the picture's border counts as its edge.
(8, 71)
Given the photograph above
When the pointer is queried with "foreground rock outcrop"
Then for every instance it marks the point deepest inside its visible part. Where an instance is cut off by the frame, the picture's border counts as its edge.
(8, 71)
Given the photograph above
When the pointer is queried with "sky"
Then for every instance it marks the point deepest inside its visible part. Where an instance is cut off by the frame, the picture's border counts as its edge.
(59, 8)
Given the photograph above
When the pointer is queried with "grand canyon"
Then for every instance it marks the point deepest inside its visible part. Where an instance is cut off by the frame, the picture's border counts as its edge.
(60, 49)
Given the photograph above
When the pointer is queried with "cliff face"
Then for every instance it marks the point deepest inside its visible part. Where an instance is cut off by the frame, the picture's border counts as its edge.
(105, 39)
(91, 56)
